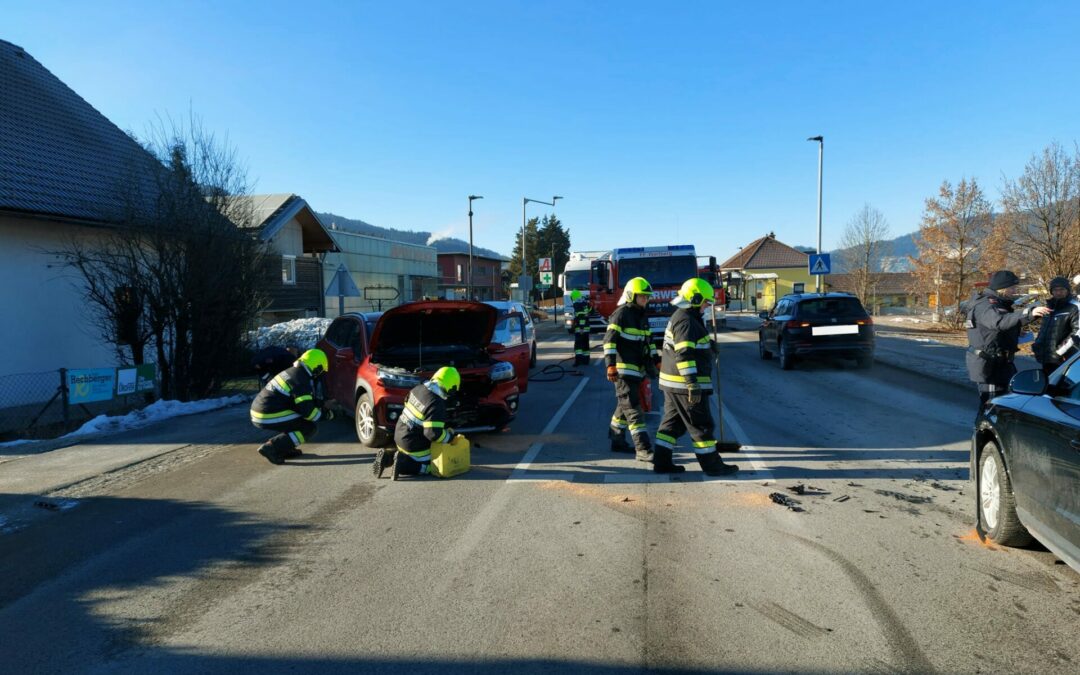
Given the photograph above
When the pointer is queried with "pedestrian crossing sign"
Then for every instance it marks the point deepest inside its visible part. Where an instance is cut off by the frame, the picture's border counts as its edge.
(819, 263)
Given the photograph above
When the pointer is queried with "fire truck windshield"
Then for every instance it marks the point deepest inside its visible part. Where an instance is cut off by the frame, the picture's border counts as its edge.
(577, 280)
(672, 271)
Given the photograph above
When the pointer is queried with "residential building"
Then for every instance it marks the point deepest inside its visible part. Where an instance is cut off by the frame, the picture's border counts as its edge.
(385, 272)
(64, 172)
(297, 241)
(487, 275)
(762, 271)
(891, 292)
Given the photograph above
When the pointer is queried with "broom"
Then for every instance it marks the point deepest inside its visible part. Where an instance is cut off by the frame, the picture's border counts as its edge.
(722, 445)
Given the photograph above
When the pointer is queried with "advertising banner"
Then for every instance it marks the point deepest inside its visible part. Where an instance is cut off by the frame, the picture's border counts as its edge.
(91, 384)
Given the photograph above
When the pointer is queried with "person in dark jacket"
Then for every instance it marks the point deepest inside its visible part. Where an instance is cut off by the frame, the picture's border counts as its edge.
(581, 328)
(1059, 334)
(686, 380)
(269, 361)
(422, 422)
(993, 331)
(287, 404)
(630, 355)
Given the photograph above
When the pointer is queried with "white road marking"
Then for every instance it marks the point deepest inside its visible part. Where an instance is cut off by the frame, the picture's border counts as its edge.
(535, 448)
(747, 451)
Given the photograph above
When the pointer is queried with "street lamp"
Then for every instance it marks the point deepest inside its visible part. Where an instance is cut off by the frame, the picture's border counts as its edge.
(471, 198)
(524, 201)
(821, 154)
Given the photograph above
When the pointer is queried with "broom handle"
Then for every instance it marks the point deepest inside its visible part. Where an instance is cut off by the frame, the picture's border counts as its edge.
(716, 377)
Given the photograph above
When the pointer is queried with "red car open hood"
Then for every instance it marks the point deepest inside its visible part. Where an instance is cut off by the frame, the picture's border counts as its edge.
(435, 322)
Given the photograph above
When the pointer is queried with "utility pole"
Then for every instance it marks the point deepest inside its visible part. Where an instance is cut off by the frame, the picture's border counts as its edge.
(470, 280)
(820, 165)
(524, 271)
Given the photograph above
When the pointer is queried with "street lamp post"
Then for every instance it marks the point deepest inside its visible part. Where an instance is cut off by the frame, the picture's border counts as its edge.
(471, 198)
(821, 155)
(524, 201)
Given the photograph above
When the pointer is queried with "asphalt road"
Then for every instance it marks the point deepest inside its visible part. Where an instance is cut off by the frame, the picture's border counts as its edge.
(552, 554)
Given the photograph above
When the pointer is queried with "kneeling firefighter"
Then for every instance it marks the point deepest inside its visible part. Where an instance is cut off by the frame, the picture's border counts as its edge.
(581, 328)
(686, 380)
(630, 355)
(287, 404)
(422, 422)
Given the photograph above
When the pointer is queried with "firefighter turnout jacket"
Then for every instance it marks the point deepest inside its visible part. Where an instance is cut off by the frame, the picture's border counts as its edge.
(581, 317)
(687, 355)
(422, 422)
(628, 342)
(289, 395)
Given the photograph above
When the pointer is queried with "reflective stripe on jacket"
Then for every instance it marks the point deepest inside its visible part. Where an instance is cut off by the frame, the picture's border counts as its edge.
(627, 343)
(289, 395)
(687, 353)
(422, 422)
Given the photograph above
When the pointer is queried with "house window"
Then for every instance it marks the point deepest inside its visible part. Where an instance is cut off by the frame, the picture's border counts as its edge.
(288, 270)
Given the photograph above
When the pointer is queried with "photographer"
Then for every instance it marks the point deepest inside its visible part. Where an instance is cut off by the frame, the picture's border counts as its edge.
(993, 331)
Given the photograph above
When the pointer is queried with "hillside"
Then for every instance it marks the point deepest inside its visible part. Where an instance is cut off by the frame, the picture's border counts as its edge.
(445, 245)
(897, 259)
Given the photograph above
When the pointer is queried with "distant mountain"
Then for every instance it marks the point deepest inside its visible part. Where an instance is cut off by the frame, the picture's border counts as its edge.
(445, 245)
(896, 259)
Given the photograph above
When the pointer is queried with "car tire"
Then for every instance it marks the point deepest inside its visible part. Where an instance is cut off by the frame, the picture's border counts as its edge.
(532, 358)
(787, 359)
(764, 353)
(996, 503)
(864, 362)
(367, 430)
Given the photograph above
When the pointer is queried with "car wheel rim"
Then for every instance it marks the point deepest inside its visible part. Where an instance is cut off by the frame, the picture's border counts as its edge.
(365, 421)
(990, 491)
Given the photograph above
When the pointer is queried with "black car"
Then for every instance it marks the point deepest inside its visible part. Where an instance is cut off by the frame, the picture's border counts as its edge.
(817, 324)
(1025, 459)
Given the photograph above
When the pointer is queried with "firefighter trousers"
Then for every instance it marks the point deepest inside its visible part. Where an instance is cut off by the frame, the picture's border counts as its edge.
(297, 431)
(581, 348)
(629, 414)
(680, 416)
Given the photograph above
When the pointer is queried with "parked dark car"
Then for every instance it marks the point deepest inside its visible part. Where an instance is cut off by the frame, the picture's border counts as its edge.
(1025, 459)
(817, 324)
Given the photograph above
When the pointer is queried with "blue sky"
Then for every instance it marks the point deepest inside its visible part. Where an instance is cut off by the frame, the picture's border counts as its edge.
(658, 122)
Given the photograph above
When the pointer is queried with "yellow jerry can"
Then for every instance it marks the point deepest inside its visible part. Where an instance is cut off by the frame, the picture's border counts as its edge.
(450, 459)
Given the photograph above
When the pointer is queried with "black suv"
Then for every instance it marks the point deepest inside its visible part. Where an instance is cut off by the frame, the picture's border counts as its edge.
(817, 324)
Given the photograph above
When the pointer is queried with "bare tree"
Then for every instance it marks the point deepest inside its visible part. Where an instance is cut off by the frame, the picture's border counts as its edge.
(863, 246)
(1041, 229)
(954, 227)
(177, 272)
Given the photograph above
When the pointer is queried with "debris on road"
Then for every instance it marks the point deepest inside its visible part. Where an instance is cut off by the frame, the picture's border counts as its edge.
(784, 500)
(842, 498)
(913, 499)
(799, 489)
(49, 506)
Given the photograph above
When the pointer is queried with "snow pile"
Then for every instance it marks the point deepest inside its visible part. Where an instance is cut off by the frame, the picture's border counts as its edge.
(155, 412)
(301, 333)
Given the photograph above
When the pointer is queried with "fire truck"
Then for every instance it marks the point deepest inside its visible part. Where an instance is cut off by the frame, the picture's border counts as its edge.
(664, 267)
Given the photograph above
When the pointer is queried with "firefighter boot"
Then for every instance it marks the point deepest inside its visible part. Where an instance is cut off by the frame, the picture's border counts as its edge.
(618, 441)
(384, 458)
(712, 465)
(662, 462)
(643, 451)
(277, 449)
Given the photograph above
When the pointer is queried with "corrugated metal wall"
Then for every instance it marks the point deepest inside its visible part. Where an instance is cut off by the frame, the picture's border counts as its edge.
(377, 265)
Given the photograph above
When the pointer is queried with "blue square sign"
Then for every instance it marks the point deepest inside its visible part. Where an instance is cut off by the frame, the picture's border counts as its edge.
(819, 263)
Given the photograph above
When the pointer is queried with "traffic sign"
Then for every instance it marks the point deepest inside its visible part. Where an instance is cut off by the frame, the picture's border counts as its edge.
(542, 287)
(819, 263)
(545, 277)
(545, 265)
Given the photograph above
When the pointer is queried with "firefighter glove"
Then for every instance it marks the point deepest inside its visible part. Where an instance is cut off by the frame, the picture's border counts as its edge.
(612, 373)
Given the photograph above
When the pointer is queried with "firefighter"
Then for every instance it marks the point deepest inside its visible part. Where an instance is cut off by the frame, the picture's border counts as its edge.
(422, 422)
(287, 404)
(1059, 335)
(630, 355)
(686, 381)
(993, 331)
(581, 328)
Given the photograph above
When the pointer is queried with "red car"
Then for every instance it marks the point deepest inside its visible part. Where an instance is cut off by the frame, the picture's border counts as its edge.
(374, 372)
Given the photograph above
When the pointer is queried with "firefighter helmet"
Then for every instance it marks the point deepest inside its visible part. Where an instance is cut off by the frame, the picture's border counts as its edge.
(315, 361)
(696, 292)
(634, 287)
(448, 379)
(575, 295)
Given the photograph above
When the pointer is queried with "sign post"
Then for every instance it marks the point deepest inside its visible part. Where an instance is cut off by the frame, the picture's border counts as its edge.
(819, 264)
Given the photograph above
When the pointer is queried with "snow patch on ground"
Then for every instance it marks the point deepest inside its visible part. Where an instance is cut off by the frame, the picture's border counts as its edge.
(299, 333)
(155, 412)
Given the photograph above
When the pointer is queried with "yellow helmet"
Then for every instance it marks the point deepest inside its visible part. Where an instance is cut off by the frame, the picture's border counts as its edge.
(448, 378)
(575, 295)
(315, 361)
(636, 286)
(696, 292)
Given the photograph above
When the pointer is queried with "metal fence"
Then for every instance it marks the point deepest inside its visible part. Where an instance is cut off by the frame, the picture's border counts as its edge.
(37, 405)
